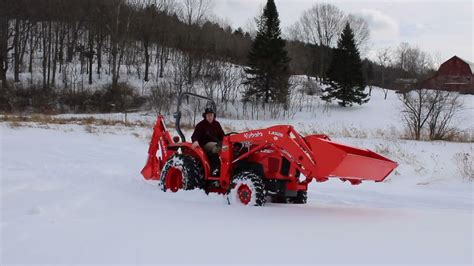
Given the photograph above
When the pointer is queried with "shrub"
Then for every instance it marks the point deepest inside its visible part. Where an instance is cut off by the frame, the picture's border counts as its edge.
(465, 164)
(48, 101)
(121, 98)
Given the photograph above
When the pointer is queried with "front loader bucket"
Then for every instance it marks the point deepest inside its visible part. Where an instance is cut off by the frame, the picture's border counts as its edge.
(346, 162)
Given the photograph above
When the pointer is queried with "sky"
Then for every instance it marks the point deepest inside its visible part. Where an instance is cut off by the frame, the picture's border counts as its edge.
(441, 28)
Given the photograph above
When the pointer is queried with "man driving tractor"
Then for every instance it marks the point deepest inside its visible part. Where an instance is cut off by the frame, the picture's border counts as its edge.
(209, 135)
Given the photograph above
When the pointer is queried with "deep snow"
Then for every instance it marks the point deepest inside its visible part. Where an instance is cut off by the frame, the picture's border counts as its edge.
(68, 196)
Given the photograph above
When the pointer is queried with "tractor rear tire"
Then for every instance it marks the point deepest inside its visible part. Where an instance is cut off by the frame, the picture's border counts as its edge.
(247, 188)
(186, 171)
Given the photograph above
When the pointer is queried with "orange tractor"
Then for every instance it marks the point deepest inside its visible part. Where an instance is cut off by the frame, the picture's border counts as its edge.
(275, 163)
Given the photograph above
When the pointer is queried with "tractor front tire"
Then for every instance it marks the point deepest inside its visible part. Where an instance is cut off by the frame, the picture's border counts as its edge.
(301, 198)
(181, 171)
(247, 188)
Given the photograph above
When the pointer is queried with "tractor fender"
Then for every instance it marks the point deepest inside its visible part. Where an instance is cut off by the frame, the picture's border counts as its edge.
(245, 166)
(197, 153)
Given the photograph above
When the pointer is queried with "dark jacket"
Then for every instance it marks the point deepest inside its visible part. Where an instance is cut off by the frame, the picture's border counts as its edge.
(207, 132)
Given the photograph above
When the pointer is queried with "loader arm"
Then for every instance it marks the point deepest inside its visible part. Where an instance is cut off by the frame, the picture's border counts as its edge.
(317, 157)
(287, 141)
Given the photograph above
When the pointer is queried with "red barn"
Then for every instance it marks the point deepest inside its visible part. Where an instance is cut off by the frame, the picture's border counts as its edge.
(456, 74)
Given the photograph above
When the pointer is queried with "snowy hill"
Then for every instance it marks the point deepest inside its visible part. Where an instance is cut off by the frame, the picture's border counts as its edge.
(73, 194)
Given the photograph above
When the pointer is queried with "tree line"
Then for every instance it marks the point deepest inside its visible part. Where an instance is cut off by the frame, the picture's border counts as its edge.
(53, 40)
(112, 30)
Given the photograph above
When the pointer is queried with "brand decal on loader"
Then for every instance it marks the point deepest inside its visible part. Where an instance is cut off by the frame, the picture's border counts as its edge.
(253, 135)
(274, 133)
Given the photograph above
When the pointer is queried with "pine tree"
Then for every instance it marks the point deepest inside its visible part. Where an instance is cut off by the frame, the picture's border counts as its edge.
(345, 77)
(268, 61)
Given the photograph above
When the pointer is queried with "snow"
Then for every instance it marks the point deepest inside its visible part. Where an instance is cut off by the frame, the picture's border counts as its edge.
(69, 196)
(74, 194)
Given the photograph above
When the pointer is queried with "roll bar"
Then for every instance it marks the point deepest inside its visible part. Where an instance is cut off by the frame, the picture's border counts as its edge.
(177, 115)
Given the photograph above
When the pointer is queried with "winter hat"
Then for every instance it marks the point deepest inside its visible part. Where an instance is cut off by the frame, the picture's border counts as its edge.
(208, 111)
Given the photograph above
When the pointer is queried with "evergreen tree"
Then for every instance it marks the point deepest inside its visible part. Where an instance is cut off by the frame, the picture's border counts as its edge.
(268, 61)
(345, 77)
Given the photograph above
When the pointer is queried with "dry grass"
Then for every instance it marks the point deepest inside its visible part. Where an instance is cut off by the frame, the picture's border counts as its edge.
(18, 121)
(464, 136)
(89, 128)
(14, 124)
(461, 136)
(383, 149)
(353, 132)
(465, 165)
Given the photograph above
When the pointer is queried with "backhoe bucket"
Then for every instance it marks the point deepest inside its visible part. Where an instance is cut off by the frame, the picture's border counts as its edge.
(152, 169)
(346, 162)
(159, 142)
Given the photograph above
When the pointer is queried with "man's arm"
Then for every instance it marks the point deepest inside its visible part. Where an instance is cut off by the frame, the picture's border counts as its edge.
(220, 131)
(197, 134)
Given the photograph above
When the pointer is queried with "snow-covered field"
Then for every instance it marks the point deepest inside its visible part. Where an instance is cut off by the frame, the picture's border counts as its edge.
(69, 196)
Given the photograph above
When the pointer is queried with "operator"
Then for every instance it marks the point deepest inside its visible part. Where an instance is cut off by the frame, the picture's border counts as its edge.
(209, 135)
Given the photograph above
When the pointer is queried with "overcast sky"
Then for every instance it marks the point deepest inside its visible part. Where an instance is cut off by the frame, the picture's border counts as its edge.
(438, 27)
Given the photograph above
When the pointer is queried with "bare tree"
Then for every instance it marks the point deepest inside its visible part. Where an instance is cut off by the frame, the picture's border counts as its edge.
(417, 109)
(163, 33)
(361, 30)
(162, 97)
(44, 34)
(114, 42)
(230, 81)
(384, 58)
(402, 55)
(418, 61)
(178, 73)
(196, 11)
(440, 123)
(16, 53)
(413, 60)
(211, 77)
(145, 28)
(5, 35)
(322, 25)
(294, 32)
(118, 27)
(251, 27)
